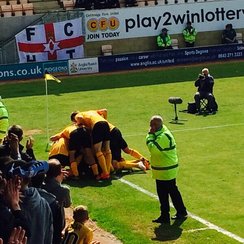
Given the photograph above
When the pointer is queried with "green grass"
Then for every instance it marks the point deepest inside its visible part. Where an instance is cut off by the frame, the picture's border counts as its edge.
(211, 175)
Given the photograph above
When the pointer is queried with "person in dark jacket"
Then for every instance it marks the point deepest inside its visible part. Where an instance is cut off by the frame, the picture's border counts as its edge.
(56, 208)
(35, 208)
(15, 135)
(12, 215)
(204, 84)
(229, 35)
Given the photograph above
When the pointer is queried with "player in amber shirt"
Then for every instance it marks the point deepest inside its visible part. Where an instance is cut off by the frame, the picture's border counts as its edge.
(71, 144)
(100, 138)
(117, 144)
(77, 232)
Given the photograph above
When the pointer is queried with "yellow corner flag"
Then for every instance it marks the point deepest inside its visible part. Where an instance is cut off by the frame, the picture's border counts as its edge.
(51, 77)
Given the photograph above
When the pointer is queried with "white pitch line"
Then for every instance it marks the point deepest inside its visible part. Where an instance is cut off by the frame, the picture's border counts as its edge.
(193, 216)
(195, 230)
(193, 129)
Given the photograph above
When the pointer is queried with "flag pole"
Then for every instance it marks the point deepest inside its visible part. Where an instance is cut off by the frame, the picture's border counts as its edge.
(47, 77)
(47, 116)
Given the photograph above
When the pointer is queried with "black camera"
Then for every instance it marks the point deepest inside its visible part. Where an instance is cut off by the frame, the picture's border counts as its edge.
(201, 76)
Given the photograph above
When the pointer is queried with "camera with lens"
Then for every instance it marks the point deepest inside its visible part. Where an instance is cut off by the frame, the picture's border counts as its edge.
(201, 76)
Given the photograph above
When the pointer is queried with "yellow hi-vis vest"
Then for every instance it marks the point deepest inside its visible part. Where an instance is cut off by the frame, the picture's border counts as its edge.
(164, 159)
(189, 35)
(3, 120)
(164, 42)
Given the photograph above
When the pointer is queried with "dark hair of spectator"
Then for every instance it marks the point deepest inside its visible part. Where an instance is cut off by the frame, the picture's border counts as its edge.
(54, 168)
(17, 130)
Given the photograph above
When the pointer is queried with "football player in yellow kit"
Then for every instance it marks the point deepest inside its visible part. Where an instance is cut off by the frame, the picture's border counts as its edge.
(118, 143)
(100, 137)
(71, 145)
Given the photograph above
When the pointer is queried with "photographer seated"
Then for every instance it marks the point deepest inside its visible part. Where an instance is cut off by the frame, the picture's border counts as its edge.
(205, 83)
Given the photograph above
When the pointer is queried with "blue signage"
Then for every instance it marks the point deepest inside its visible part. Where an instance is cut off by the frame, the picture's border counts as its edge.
(56, 68)
(21, 71)
(170, 57)
(128, 61)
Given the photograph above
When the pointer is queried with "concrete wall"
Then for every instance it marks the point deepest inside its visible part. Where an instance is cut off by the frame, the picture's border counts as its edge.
(93, 49)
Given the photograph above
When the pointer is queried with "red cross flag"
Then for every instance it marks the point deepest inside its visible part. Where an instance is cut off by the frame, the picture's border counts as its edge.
(54, 41)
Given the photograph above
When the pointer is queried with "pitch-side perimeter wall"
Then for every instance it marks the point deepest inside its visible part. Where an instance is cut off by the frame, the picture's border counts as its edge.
(122, 62)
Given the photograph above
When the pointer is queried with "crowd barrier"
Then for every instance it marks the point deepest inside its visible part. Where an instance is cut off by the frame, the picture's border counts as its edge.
(130, 61)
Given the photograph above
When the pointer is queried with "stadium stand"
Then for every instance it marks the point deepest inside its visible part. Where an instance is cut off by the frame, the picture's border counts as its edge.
(107, 50)
(175, 43)
(28, 8)
(17, 9)
(239, 37)
(68, 4)
(6, 10)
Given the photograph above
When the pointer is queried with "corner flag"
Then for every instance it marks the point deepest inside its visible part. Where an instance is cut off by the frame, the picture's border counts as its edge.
(51, 77)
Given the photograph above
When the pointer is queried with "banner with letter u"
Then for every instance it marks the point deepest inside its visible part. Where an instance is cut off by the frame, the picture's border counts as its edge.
(52, 41)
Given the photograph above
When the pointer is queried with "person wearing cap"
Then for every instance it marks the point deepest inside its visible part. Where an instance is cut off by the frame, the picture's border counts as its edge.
(164, 40)
(3, 120)
(165, 166)
(189, 34)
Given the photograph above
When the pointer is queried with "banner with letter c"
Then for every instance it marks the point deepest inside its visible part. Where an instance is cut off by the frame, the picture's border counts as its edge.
(52, 41)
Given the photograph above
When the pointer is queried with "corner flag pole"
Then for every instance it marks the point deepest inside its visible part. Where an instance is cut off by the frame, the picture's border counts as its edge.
(46, 78)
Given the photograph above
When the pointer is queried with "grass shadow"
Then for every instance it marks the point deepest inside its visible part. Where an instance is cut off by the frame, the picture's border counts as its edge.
(169, 232)
(81, 183)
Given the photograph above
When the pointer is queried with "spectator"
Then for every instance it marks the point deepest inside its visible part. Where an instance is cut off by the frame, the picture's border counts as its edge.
(164, 164)
(130, 3)
(17, 236)
(101, 4)
(56, 208)
(204, 84)
(12, 216)
(13, 148)
(189, 34)
(113, 4)
(164, 40)
(78, 229)
(87, 4)
(36, 209)
(53, 183)
(3, 120)
(229, 35)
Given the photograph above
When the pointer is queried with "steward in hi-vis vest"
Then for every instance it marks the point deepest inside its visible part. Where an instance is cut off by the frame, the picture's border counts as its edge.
(164, 40)
(164, 165)
(189, 34)
(3, 121)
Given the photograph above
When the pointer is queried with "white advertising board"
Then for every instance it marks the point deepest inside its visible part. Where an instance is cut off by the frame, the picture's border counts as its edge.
(148, 21)
(83, 66)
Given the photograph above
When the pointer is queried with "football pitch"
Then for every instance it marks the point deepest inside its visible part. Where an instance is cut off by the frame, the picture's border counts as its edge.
(210, 148)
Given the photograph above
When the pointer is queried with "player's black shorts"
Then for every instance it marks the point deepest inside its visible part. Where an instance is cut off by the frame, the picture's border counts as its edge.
(117, 143)
(100, 132)
(79, 138)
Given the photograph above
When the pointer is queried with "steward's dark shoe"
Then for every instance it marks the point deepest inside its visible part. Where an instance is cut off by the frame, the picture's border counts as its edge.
(179, 216)
(161, 221)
